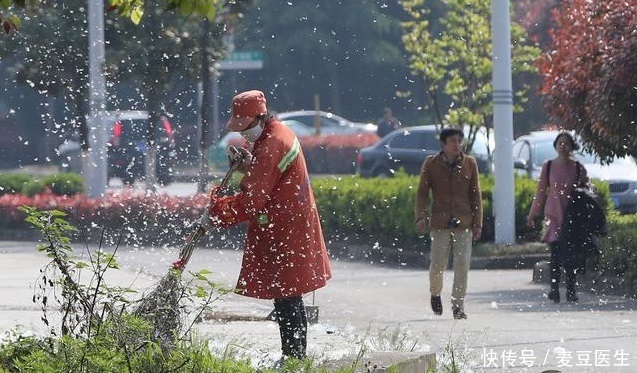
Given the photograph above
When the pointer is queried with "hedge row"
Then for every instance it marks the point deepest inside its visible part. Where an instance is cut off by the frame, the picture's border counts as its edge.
(374, 210)
(619, 250)
(66, 184)
(383, 209)
(369, 211)
(139, 219)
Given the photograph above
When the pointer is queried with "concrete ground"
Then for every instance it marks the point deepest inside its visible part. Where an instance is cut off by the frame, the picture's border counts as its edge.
(511, 327)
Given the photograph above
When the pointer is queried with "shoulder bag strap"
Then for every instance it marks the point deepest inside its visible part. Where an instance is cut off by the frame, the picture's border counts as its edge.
(578, 166)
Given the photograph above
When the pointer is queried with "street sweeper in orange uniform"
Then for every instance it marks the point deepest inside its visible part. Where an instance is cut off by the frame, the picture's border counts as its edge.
(285, 255)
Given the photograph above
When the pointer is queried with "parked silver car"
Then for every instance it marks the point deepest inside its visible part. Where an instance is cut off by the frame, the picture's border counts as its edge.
(531, 150)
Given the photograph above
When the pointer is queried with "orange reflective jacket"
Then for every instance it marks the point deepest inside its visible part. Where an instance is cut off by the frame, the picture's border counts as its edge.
(285, 253)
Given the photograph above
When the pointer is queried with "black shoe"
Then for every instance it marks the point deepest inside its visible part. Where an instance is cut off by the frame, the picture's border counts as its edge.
(554, 295)
(436, 304)
(459, 314)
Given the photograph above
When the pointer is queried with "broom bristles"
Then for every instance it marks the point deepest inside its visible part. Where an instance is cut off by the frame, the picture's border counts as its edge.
(161, 306)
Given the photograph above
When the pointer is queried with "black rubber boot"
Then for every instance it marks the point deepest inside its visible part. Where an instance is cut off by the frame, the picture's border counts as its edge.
(292, 321)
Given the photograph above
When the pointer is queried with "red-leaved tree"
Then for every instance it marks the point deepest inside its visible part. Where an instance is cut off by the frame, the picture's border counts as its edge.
(535, 17)
(590, 73)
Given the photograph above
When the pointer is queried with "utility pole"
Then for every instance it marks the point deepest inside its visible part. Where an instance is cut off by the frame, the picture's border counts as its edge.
(504, 193)
(95, 165)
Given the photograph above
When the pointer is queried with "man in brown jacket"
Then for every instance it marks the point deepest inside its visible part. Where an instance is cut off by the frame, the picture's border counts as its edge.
(453, 215)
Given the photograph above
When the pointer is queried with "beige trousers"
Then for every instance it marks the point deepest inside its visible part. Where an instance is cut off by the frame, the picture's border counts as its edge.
(458, 241)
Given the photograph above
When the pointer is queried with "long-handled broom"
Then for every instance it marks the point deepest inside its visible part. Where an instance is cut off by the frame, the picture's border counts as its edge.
(161, 305)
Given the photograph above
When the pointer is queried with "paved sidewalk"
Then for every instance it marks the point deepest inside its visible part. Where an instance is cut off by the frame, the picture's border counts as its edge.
(511, 326)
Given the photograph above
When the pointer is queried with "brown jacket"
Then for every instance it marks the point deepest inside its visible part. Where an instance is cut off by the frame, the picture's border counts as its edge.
(456, 192)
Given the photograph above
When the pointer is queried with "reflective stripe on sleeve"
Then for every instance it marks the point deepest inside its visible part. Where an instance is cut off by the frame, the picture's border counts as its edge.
(290, 155)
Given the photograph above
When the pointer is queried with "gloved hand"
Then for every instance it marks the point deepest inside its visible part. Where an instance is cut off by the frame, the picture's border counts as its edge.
(214, 194)
(221, 213)
(240, 155)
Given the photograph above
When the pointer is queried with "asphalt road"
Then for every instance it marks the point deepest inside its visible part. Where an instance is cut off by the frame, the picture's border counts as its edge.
(511, 325)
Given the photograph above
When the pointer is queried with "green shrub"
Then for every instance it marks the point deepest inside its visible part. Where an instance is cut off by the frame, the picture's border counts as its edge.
(97, 332)
(618, 251)
(111, 351)
(33, 187)
(65, 184)
(376, 209)
(20, 348)
(382, 210)
(13, 183)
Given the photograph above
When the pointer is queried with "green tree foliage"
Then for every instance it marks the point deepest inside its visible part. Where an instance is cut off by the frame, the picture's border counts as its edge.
(452, 54)
(347, 52)
(8, 19)
(133, 9)
(50, 55)
(150, 54)
(158, 50)
(209, 9)
(589, 74)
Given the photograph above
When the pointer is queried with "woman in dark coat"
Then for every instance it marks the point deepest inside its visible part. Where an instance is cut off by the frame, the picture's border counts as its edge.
(558, 180)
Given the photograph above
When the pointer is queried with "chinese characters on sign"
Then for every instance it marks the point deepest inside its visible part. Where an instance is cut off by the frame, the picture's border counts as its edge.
(562, 358)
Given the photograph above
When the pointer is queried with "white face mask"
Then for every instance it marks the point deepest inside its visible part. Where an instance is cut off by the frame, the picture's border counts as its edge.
(252, 134)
